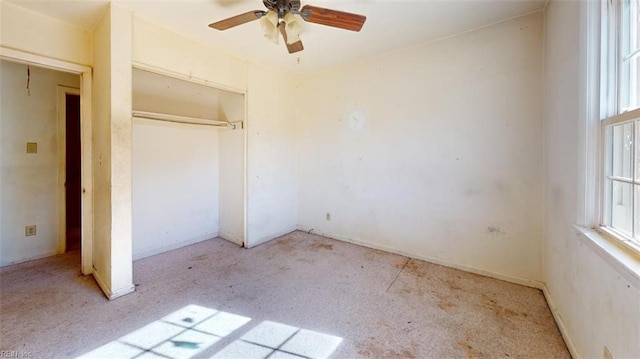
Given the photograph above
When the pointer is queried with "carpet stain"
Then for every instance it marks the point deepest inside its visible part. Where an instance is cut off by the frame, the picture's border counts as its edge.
(200, 257)
(372, 348)
(453, 285)
(500, 311)
(444, 305)
(470, 351)
(414, 267)
(317, 246)
(285, 245)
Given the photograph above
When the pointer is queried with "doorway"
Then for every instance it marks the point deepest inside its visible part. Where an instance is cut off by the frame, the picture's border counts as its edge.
(86, 79)
(70, 169)
(73, 181)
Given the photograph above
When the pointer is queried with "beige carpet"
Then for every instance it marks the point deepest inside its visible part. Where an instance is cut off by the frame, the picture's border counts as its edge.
(365, 303)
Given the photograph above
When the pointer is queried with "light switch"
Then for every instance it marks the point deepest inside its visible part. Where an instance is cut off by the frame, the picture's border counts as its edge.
(32, 147)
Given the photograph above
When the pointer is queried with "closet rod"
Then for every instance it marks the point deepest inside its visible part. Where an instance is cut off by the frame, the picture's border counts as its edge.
(180, 119)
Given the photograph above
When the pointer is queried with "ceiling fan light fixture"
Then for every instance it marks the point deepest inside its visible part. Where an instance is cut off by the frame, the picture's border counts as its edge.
(292, 28)
(284, 18)
(269, 24)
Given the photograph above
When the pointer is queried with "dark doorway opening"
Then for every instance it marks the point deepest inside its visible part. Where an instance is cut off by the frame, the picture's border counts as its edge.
(73, 180)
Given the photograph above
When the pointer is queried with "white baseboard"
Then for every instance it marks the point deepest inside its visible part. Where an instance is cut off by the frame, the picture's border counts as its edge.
(560, 323)
(106, 289)
(40, 256)
(231, 238)
(171, 247)
(265, 239)
(505, 277)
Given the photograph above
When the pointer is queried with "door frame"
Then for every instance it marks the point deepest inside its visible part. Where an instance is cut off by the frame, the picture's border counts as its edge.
(86, 79)
(61, 94)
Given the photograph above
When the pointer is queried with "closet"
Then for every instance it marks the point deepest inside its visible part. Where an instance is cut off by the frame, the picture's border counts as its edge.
(188, 161)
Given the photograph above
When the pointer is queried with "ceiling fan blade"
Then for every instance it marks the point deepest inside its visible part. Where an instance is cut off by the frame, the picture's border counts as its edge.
(237, 20)
(292, 48)
(340, 19)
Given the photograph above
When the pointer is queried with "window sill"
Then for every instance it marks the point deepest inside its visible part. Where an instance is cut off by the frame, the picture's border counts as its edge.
(624, 260)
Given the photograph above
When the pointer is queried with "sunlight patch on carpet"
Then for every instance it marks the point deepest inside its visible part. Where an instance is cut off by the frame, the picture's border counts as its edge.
(193, 329)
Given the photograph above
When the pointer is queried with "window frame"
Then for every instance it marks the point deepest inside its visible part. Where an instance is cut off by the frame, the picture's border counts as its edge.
(611, 114)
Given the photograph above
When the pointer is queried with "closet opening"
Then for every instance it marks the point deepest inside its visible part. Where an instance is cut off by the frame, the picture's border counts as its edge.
(188, 162)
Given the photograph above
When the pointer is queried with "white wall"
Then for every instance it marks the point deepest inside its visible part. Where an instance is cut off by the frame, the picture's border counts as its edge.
(232, 169)
(158, 93)
(179, 161)
(29, 182)
(112, 249)
(157, 47)
(101, 138)
(271, 147)
(447, 164)
(597, 302)
(175, 185)
(29, 31)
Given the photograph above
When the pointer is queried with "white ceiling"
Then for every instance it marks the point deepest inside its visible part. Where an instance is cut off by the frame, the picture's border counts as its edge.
(391, 25)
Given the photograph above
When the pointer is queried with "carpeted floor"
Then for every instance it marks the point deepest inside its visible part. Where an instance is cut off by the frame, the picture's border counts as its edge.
(301, 295)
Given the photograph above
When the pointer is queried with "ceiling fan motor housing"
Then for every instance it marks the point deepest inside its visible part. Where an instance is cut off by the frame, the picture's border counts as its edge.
(282, 7)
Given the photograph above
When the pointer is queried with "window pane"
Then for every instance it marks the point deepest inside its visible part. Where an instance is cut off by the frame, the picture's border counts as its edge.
(637, 153)
(622, 150)
(635, 25)
(637, 213)
(622, 207)
(630, 61)
(630, 41)
(634, 83)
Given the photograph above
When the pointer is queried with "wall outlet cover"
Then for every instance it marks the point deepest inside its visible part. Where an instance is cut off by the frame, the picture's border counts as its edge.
(32, 147)
(30, 230)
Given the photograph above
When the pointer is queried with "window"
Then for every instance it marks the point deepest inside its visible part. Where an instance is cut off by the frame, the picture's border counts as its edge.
(620, 114)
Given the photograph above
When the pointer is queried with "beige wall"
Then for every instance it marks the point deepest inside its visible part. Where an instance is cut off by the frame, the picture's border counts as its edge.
(31, 32)
(112, 252)
(446, 164)
(179, 161)
(157, 47)
(231, 150)
(101, 150)
(271, 149)
(29, 182)
(596, 300)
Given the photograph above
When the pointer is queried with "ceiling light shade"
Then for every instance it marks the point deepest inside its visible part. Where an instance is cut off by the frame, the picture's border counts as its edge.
(269, 23)
(292, 28)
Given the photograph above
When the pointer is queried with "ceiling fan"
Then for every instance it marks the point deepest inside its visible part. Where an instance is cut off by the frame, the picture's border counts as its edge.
(280, 19)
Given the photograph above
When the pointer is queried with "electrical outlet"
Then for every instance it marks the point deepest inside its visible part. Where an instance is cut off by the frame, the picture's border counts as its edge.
(30, 230)
(607, 353)
(328, 216)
